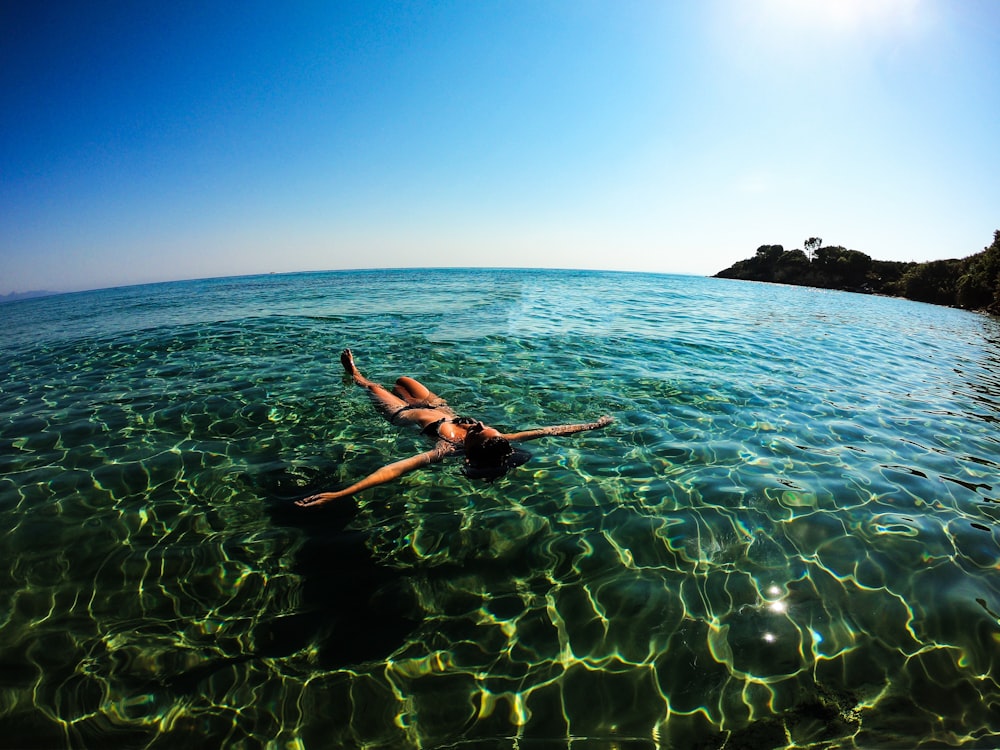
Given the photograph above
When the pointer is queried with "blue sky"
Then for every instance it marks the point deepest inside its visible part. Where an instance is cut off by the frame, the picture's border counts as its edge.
(155, 141)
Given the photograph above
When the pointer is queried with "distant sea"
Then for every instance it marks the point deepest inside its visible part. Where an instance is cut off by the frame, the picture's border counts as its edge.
(14, 296)
(788, 537)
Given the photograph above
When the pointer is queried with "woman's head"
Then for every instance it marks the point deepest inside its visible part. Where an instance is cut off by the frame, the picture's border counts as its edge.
(488, 455)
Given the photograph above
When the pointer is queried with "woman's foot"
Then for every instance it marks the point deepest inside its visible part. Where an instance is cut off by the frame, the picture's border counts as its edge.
(347, 360)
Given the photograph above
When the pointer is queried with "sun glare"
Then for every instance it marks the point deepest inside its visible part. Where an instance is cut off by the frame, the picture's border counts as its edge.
(849, 16)
(755, 36)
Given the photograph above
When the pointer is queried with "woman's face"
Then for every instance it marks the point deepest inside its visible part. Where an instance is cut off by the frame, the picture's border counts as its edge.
(478, 434)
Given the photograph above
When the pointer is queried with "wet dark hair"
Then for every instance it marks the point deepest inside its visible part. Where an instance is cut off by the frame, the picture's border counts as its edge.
(492, 458)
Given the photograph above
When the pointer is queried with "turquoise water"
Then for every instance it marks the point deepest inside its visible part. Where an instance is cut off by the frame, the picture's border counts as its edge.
(787, 538)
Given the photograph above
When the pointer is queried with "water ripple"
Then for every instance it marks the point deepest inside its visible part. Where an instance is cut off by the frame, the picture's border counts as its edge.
(788, 538)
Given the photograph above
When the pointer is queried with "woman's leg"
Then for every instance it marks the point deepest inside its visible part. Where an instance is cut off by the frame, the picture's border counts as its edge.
(417, 394)
(387, 404)
(412, 391)
(410, 401)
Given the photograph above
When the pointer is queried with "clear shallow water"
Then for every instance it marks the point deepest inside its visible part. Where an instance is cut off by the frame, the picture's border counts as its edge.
(788, 537)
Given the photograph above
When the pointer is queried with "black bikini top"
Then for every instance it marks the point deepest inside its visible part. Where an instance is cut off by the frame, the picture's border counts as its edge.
(433, 429)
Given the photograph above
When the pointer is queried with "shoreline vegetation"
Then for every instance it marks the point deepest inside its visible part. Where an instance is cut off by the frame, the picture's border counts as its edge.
(971, 283)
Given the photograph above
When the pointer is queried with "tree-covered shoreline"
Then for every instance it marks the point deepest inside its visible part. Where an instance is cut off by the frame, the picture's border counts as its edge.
(971, 283)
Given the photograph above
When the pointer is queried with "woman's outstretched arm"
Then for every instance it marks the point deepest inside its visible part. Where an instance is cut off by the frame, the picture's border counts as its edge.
(386, 474)
(561, 429)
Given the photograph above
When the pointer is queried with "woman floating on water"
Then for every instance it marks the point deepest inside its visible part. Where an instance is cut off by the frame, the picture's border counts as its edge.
(488, 452)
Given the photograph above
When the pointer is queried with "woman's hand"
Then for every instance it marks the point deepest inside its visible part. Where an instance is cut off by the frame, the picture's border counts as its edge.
(319, 499)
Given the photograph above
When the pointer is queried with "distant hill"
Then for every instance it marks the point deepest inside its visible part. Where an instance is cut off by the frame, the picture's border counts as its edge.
(24, 295)
(972, 283)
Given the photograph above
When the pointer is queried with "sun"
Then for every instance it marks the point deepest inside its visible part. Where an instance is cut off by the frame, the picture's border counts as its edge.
(755, 34)
(848, 16)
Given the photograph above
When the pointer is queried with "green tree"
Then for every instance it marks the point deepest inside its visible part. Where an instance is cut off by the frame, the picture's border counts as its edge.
(793, 268)
(885, 276)
(840, 268)
(972, 282)
(812, 245)
(933, 282)
(978, 287)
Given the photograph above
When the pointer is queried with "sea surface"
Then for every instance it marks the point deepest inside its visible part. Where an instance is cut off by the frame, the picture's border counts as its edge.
(787, 538)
